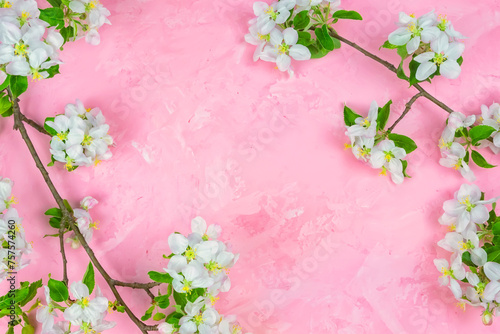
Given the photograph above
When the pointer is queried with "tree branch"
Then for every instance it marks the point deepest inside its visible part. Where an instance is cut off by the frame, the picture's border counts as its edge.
(19, 125)
(34, 125)
(407, 109)
(391, 68)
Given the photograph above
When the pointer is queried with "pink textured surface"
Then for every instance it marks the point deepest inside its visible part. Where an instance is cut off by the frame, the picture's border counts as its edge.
(327, 245)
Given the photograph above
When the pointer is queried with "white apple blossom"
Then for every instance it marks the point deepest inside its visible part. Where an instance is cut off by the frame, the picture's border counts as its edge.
(199, 318)
(451, 274)
(82, 137)
(388, 157)
(255, 38)
(443, 57)
(166, 328)
(457, 120)
(284, 47)
(192, 276)
(366, 127)
(95, 16)
(361, 147)
(413, 30)
(491, 117)
(199, 225)
(229, 325)
(459, 243)
(86, 225)
(446, 29)
(46, 314)
(84, 309)
(454, 157)
(270, 15)
(6, 198)
(492, 289)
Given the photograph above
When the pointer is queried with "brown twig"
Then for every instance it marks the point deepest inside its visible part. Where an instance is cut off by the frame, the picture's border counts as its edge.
(19, 125)
(34, 125)
(407, 109)
(144, 286)
(391, 68)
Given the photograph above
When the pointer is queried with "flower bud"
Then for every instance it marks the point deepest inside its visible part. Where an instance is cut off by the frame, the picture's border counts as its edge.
(88, 203)
(487, 318)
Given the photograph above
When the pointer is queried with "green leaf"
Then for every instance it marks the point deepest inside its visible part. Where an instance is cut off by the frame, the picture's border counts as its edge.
(324, 38)
(5, 104)
(88, 277)
(480, 160)
(304, 38)
(347, 14)
(32, 291)
(159, 316)
(413, 71)
(148, 313)
(160, 277)
(301, 20)
(18, 85)
(67, 33)
(53, 70)
(67, 205)
(163, 301)
(5, 82)
(180, 299)
(467, 260)
(496, 229)
(467, 157)
(10, 330)
(402, 52)
(56, 212)
(480, 132)
(383, 115)
(47, 128)
(388, 45)
(404, 142)
(460, 60)
(195, 293)
(54, 3)
(55, 222)
(401, 72)
(350, 116)
(173, 318)
(28, 329)
(58, 290)
(493, 254)
(317, 51)
(405, 165)
(53, 16)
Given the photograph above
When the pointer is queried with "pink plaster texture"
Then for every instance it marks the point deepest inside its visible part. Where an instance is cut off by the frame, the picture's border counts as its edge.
(327, 245)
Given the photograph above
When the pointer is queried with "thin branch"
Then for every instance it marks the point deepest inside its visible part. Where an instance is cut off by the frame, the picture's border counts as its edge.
(34, 125)
(407, 109)
(391, 68)
(62, 227)
(19, 125)
(136, 285)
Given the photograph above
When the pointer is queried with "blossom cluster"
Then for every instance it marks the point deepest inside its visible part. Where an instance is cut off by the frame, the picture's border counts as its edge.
(197, 270)
(84, 221)
(86, 313)
(432, 42)
(473, 270)
(462, 135)
(370, 143)
(12, 236)
(28, 47)
(79, 136)
(85, 18)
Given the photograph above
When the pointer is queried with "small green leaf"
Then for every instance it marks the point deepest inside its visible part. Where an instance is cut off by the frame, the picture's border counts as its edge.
(493, 254)
(388, 45)
(47, 128)
(54, 3)
(67, 205)
(55, 222)
(405, 166)
(158, 316)
(350, 116)
(467, 259)
(174, 317)
(480, 160)
(324, 38)
(58, 290)
(401, 72)
(10, 330)
(496, 229)
(160, 277)
(404, 142)
(480, 132)
(148, 313)
(53, 16)
(32, 290)
(304, 38)
(52, 71)
(5, 82)
(28, 329)
(18, 85)
(347, 14)
(301, 20)
(88, 277)
(460, 60)
(5, 104)
(402, 52)
(383, 115)
(163, 301)
(317, 51)
(56, 212)
(67, 33)
(467, 157)
(180, 299)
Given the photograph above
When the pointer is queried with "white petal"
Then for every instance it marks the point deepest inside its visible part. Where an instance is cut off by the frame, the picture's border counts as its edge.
(290, 36)
(425, 70)
(300, 52)
(450, 69)
(177, 243)
(283, 62)
(492, 271)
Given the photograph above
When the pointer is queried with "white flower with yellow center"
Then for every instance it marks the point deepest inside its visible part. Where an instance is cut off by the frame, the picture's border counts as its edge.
(254, 37)
(96, 17)
(388, 157)
(229, 325)
(492, 289)
(361, 147)
(199, 225)
(284, 47)
(6, 198)
(270, 15)
(166, 328)
(457, 120)
(446, 29)
(413, 31)
(454, 157)
(491, 117)
(365, 126)
(199, 318)
(467, 242)
(450, 274)
(443, 57)
(84, 309)
(45, 314)
(192, 276)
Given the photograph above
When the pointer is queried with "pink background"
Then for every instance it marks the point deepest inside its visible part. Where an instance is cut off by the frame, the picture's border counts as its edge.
(327, 245)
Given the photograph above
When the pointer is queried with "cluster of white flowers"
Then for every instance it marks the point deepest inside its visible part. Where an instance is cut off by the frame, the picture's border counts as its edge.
(452, 148)
(276, 43)
(456, 139)
(80, 136)
(85, 313)
(13, 243)
(467, 219)
(200, 261)
(384, 154)
(433, 41)
(27, 47)
(91, 15)
(84, 221)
